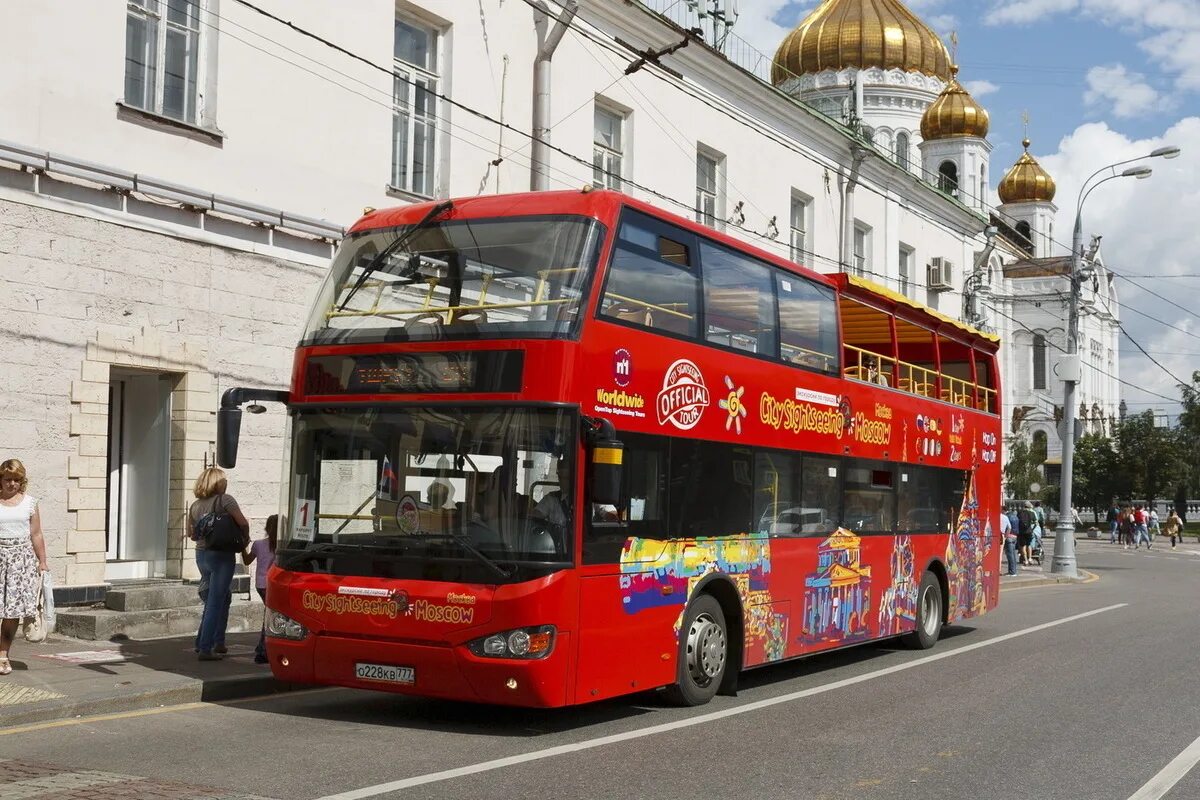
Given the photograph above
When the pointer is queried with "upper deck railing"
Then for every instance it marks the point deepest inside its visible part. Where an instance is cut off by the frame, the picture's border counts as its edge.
(869, 367)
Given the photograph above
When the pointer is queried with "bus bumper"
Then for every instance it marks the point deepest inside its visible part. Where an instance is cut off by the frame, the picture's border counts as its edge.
(448, 672)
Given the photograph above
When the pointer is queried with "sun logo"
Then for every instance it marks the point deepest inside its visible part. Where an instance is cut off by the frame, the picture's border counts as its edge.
(733, 404)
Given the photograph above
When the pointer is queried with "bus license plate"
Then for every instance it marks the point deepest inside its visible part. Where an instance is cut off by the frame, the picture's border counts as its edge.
(385, 673)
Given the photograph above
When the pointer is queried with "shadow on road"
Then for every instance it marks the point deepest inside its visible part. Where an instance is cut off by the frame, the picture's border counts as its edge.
(398, 711)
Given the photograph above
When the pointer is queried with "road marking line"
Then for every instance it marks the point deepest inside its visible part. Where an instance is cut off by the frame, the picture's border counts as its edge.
(1170, 775)
(666, 727)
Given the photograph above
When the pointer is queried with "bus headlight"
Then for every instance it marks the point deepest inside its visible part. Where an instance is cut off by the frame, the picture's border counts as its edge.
(282, 626)
(520, 643)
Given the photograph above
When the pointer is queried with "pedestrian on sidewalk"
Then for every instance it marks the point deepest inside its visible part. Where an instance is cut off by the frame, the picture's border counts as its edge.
(1174, 528)
(1114, 523)
(1010, 543)
(1140, 518)
(1154, 529)
(22, 555)
(1126, 527)
(1039, 525)
(1025, 520)
(262, 553)
(216, 567)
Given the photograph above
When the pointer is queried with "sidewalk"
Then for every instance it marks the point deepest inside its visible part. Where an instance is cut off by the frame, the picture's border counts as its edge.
(1038, 575)
(64, 678)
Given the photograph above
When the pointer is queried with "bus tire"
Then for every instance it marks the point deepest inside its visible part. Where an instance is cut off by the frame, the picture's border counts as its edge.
(703, 653)
(929, 614)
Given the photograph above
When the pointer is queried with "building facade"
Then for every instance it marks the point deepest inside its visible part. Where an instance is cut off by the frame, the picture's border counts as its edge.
(166, 214)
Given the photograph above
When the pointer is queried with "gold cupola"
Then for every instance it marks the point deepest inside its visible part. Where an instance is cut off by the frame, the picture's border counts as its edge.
(862, 34)
(954, 113)
(1026, 181)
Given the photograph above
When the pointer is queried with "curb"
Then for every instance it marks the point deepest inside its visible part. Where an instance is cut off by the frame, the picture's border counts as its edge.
(213, 691)
(1084, 577)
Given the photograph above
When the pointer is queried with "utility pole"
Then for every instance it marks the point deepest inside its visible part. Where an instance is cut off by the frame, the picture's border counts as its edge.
(1069, 367)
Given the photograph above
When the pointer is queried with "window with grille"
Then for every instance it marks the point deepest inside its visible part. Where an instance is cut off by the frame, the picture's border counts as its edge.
(862, 249)
(907, 258)
(799, 234)
(162, 57)
(608, 145)
(708, 169)
(414, 107)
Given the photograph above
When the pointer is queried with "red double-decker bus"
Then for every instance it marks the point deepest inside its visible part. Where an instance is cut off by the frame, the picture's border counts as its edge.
(551, 448)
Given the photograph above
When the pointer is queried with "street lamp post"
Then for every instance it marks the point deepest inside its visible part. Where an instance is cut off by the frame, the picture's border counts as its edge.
(1063, 561)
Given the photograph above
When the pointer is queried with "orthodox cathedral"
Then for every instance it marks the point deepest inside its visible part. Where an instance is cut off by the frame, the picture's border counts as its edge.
(876, 67)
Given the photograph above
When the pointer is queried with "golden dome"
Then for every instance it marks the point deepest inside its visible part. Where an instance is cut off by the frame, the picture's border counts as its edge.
(1026, 181)
(954, 113)
(861, 33)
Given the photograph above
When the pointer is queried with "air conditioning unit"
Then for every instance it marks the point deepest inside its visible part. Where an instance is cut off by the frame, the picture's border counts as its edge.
(939, 275)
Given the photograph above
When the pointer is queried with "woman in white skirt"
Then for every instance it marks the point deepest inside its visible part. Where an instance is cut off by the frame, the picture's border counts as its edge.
(22, 555)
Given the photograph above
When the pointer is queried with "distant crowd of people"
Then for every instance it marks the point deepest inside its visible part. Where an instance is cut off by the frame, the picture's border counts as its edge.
(1132, 526)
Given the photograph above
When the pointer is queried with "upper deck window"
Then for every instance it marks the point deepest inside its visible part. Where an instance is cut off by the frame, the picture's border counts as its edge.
(485, 278)
(653, 279)
(739, 301)
(808, 328)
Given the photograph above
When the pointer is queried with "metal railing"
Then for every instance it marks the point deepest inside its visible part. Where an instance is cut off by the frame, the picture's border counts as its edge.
(869, 367)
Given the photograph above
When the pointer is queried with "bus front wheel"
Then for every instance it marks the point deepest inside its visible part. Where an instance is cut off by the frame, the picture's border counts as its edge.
(929, 615)
(703, 653)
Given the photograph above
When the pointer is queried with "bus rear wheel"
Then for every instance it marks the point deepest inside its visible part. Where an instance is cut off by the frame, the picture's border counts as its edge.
(703, 653)
(929, 615)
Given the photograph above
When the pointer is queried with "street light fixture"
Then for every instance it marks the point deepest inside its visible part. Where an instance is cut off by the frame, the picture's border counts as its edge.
(1063, 561)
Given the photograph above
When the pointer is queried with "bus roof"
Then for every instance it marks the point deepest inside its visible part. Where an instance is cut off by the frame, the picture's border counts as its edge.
(602, 204)
(855, 287)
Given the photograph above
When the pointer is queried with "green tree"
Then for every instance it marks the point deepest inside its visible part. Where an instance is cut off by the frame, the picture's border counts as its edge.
(1150, 456)
(1096, 479)
(1022, 469)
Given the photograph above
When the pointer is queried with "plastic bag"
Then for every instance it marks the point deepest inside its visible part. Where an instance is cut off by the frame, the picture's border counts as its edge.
(39, 626)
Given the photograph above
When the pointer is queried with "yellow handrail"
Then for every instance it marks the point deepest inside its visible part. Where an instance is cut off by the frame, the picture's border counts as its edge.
(880, 369)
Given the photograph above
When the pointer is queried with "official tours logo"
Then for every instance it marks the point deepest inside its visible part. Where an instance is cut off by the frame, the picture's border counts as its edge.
(683, 397)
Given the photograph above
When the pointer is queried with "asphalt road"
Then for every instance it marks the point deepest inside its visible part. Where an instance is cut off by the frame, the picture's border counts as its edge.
(1079, 691)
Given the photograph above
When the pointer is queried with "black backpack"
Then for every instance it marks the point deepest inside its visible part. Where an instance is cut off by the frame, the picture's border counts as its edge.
(1025, 520)
(219, 531)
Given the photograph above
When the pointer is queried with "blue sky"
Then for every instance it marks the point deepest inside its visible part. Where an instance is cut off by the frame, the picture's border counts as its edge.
(1103, 81)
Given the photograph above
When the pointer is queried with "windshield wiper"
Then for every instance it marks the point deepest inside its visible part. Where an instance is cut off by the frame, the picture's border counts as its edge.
(465, 544)
(393, 246)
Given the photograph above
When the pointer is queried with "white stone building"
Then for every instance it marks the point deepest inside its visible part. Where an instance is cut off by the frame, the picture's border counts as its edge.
(166, 213)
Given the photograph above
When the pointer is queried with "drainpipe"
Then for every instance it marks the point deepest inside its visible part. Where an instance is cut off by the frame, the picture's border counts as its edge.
(539, 168)
(858, 154)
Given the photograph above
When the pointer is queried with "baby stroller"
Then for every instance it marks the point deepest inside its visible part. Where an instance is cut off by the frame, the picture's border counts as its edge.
(1035, 547)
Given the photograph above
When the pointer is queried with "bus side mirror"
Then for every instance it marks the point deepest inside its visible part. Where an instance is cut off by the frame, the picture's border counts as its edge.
(229, 418)
(229, 428)
(605, 487)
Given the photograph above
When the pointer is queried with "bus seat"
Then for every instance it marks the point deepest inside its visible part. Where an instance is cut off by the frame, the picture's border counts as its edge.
(424, 325)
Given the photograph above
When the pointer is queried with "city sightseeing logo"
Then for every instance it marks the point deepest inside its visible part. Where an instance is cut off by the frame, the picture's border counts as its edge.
(683, 397)
(733, 404)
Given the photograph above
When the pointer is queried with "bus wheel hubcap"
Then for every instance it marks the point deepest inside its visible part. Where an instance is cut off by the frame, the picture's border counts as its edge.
(705, 649)
(929, 611)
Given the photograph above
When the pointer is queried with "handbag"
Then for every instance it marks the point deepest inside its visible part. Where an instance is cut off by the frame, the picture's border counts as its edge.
(39, 626)
(219, 531)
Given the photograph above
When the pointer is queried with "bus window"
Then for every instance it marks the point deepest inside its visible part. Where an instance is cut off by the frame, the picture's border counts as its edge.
(869, 497)
(985, 382)
(777, 506)
(711, 491)
(642, 509)
(820, 489)
(739, 301)
(918, 493)
(652, 281)
(807, 323)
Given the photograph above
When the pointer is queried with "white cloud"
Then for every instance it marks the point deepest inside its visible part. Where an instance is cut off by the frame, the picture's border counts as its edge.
(1169, 29)
(1144, 234)
(1126, 94)
(980, 89)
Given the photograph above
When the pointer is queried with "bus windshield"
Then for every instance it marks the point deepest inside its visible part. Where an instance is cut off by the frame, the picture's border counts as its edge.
(488, 488)
(459, 279)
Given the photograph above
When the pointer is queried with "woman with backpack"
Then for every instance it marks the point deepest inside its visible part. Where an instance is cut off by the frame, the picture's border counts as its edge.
(219, 529)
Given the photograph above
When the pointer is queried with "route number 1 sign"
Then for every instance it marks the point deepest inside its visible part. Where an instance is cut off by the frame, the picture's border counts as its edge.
(304, 522)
